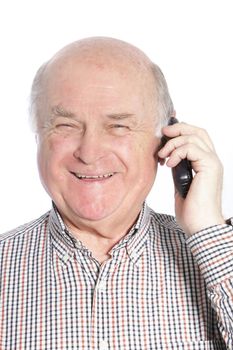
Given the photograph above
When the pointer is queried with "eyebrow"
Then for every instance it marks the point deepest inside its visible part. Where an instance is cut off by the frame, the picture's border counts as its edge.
(59, 111)
(121, 116)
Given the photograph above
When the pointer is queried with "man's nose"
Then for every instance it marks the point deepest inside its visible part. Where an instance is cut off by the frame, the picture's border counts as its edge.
(91, 147)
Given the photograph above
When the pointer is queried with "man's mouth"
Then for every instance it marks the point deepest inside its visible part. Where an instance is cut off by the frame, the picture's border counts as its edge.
(93, 177)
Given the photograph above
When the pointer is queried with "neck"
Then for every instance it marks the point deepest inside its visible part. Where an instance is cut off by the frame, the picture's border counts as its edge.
(100, 236)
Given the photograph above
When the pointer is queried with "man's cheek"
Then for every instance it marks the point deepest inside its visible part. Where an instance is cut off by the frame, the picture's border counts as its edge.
(55, 146)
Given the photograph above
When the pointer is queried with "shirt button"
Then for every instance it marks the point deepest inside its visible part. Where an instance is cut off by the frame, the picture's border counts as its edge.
(66, 257)
(103, 345)
(101, 286)
(134, 254)
(78, 244)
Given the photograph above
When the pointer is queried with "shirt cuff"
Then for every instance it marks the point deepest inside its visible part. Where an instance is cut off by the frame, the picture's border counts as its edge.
(212, 249)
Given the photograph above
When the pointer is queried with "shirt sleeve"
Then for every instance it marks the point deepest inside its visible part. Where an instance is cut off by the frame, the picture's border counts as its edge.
(212, 248)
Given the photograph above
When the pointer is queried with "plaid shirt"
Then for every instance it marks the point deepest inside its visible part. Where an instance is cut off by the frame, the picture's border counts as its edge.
(155, 292)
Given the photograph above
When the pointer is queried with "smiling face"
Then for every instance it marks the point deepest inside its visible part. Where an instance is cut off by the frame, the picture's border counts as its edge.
(96, 149)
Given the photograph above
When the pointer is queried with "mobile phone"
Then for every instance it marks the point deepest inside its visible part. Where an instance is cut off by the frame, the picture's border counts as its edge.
(182, 172)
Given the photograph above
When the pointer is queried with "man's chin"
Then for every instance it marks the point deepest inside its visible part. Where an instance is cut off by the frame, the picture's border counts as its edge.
(92, 213)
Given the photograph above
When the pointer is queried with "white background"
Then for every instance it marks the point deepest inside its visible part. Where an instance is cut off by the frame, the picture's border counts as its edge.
(190, 40)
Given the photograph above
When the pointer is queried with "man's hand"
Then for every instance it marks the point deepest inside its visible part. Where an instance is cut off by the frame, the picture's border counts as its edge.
(202, 206)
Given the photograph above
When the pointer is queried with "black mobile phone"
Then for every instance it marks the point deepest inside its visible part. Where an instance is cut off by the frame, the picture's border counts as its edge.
(182, 172)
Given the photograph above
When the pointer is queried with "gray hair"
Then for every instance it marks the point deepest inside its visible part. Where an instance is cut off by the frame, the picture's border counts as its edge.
(36, 98)
(164, 105)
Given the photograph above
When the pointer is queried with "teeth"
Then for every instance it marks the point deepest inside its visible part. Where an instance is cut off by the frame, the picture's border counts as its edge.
(79, 176)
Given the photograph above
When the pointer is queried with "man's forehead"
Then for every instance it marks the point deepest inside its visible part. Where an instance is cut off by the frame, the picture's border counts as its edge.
(84, 81)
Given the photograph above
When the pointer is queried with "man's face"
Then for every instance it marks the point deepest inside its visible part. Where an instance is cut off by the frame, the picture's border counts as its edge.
(96, 147)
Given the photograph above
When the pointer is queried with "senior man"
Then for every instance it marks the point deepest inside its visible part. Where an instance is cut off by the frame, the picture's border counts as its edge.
(101, 270)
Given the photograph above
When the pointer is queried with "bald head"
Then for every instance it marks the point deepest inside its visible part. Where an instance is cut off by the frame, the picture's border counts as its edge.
(102, 53)
(98, 49)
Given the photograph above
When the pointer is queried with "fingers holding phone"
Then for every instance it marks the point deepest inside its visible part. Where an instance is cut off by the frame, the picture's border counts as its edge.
(182, 170)
(188, 147)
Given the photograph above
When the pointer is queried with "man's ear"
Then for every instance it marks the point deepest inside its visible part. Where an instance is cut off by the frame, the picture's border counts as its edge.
(158, 159)
(173, 114)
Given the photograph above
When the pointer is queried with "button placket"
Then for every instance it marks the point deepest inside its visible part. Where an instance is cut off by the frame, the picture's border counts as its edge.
(101, 286)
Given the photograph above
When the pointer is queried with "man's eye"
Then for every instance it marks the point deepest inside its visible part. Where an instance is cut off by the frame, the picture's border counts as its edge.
(119, 129)
(119, 126)
(68, 127)
(65, 126)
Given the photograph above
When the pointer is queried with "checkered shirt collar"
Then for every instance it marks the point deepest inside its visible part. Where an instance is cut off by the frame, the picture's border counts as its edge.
(66, 244)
